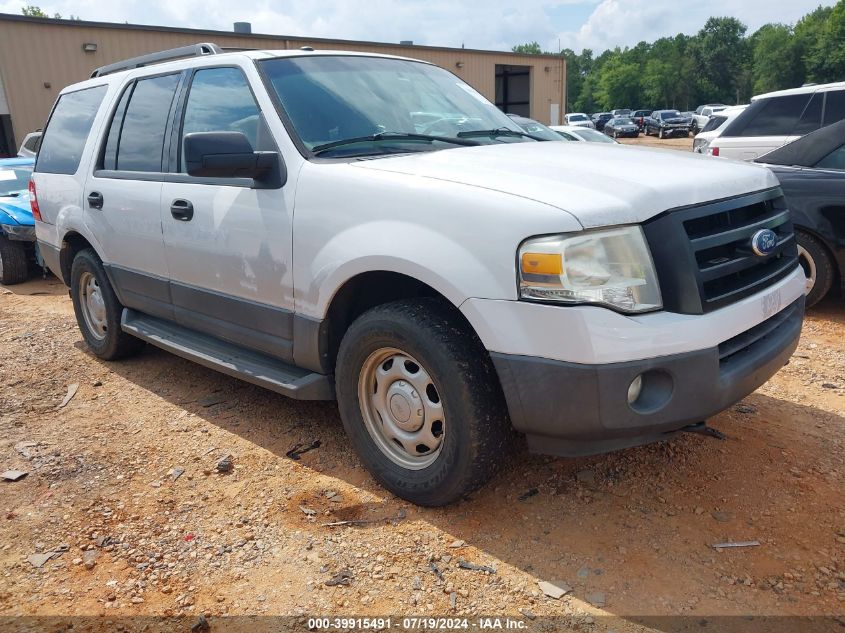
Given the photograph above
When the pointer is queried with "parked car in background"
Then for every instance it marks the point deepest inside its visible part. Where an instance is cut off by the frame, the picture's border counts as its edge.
(582, 134)
(621, 126)
(536, 129)
(777, 118)
(667, 123)
(600, 118)
(450, 288)
(702, 115)
(639, 117)
(811, 172)
(621, 112)
(18, 249)
(30, 145)
(579, 119)
(715, 126)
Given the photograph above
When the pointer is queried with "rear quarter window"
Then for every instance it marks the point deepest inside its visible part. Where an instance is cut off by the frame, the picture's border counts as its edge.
(775, 116)
(67, 131)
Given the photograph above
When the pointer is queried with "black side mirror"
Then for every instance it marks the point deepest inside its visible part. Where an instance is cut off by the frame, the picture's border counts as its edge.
(230, 155)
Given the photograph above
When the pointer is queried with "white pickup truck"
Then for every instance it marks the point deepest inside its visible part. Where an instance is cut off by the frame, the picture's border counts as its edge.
(370, 228)
(702, 116)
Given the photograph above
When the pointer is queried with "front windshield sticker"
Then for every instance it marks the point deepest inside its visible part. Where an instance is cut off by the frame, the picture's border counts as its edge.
(472, 91)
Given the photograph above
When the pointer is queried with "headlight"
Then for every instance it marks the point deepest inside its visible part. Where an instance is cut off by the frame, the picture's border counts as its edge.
(609, 267)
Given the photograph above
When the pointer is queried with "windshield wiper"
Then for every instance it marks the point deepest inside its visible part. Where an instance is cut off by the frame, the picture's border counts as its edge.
(391, 136)
(501, 131)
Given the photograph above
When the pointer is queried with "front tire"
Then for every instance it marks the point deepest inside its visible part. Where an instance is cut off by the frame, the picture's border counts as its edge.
(817, 265)
(660, 134)
(421, 402)
(14, 267)
(97, 309)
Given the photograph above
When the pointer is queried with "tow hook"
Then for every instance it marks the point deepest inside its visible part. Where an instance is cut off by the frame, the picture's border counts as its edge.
(701, 428)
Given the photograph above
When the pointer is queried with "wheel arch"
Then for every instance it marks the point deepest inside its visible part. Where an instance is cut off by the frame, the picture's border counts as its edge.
(72, 242)
(367, 290)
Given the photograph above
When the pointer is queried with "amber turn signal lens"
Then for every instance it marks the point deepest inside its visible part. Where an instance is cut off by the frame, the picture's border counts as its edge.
(542, 263)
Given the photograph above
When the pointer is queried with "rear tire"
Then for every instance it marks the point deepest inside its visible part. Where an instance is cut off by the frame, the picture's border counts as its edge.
(817, 265)
(97, 309)
(409, 370)
(14, 267)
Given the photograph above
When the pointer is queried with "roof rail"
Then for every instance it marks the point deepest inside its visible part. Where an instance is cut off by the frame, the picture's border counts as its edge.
(193, 50)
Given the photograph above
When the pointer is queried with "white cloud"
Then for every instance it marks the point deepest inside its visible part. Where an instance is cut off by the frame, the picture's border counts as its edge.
(493, 24)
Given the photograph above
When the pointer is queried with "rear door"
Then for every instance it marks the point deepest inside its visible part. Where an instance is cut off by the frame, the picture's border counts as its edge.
(229, 257)
(123, 194)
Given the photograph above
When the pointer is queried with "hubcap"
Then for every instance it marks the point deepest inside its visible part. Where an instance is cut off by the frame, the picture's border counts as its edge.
(809, 265)
(93, 306)
(401, 408)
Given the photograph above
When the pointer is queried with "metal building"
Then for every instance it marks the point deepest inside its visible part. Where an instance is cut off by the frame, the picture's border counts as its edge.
(40, 56)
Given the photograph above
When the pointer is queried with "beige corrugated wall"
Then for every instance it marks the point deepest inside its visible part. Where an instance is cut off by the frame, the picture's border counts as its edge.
(39, 57)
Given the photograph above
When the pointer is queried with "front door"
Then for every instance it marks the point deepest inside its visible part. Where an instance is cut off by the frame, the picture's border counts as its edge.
(228, 245)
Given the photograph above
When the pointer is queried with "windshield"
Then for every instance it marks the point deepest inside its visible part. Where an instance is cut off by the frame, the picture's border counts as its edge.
(671, 114)
(622, 121)
(335, 98)
(593, 136)
(578, 117)
(14, 179)
(535, 128)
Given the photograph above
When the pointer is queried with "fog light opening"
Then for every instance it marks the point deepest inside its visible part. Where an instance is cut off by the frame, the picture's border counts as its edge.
(634, 389)
(650, 391)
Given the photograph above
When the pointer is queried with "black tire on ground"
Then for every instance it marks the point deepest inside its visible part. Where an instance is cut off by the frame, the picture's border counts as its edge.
(815, 256)
(477, 435)
(660, 134)
(116, 343)
(14, 267)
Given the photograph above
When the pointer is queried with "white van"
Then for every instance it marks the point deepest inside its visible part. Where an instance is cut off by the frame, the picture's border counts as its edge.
(777, 118)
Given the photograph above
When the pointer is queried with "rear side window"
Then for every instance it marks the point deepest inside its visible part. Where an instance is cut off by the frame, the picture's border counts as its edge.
(136, 135)
(834, 107)
(68, 129)
(220, 101)
(714, 123)
(776, 116)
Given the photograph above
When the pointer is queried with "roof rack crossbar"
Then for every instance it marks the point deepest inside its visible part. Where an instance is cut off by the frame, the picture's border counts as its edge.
(193, 50)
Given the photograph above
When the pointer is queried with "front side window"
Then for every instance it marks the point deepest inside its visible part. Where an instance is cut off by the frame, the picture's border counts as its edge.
(335, 98)
(811, 118)
(220, 100)
(67, 131)
(834, 160)
(136, 135)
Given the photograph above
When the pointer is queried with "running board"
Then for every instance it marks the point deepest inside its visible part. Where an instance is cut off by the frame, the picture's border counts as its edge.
(228, 358)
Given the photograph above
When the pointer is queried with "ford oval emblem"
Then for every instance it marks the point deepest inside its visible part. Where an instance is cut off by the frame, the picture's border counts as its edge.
(764, 242)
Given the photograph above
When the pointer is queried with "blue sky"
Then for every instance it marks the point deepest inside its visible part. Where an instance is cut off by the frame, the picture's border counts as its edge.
(492, 24)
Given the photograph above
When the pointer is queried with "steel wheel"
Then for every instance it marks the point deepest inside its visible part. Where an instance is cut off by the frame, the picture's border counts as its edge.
(401, 408)
(93, 306)
(809, 265)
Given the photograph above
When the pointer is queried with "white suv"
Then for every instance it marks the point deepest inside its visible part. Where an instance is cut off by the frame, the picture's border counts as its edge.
(777, 118)
(370, 228)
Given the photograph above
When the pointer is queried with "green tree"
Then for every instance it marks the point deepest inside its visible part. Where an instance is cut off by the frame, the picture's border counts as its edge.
(808, 33)
(723, 51)
(619, 83)
(776, 59)
(828, 52)
(531, 48)
(36, 12)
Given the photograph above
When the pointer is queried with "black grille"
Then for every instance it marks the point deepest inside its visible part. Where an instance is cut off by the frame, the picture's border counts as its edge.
(703, 254)
(734, 348)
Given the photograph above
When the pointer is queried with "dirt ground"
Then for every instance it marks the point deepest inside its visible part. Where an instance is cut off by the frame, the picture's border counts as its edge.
(123, 500)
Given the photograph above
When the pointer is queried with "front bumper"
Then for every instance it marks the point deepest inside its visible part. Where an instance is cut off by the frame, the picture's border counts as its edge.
(572, 409)
(672, 131)
(18, 232)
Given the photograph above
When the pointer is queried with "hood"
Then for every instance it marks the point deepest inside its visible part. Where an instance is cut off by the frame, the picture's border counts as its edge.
(17, 208)
(600, 184)
(676, 120)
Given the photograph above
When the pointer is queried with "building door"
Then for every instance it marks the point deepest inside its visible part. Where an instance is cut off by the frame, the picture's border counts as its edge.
(513, 89)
